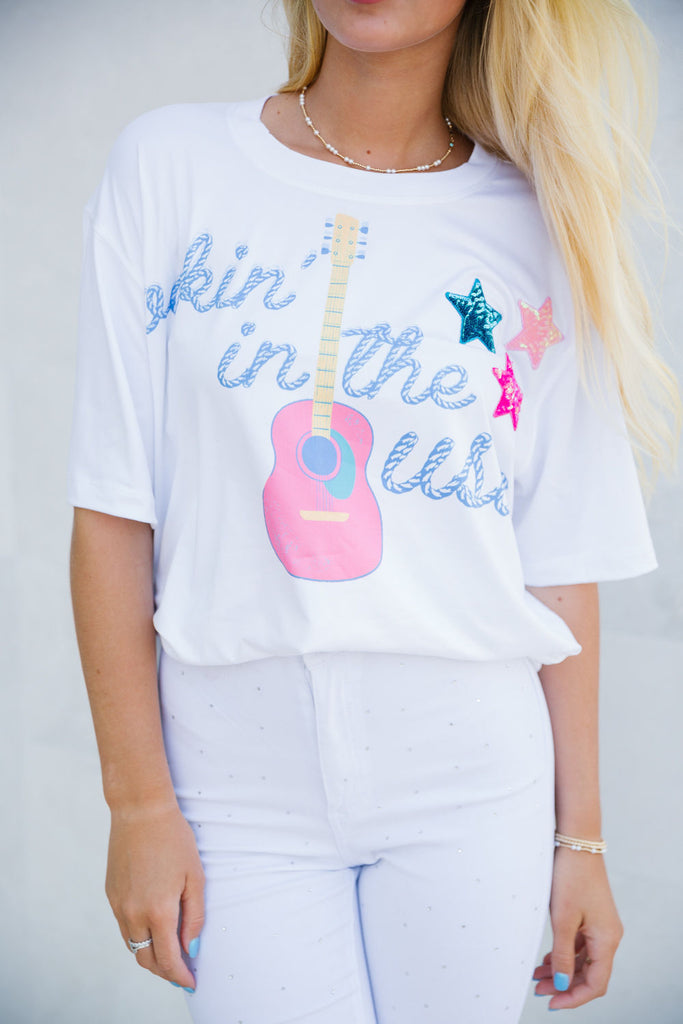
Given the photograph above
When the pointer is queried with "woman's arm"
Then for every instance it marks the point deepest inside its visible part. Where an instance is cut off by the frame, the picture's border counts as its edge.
(154, 866)
(582, 911)
(111, 589)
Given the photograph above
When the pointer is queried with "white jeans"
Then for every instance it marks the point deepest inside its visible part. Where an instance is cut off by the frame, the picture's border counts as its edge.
(376, 832)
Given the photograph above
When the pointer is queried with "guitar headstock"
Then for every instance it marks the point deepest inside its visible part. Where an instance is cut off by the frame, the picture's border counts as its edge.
(344, 241)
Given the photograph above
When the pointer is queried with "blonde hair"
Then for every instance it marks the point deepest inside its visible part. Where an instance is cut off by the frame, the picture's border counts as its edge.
(564, 89)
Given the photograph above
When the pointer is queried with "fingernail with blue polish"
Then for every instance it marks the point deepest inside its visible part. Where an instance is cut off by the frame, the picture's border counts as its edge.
(561, 982)
(175, 984)
(188, 989)
(194, 947)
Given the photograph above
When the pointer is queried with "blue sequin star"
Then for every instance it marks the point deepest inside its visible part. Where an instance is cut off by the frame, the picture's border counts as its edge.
(478, 318)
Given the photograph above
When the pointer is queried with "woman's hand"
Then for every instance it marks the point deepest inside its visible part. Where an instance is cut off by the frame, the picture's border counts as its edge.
(154, 875)
(586, 931)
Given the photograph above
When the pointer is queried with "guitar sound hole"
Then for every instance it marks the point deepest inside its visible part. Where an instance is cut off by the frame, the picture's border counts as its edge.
(320, 456)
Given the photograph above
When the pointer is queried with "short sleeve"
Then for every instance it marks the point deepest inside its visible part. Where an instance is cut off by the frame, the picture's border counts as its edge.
(578, 510)
(110, 466)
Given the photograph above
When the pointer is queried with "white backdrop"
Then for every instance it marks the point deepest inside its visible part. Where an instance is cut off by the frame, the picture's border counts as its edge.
(73, 73)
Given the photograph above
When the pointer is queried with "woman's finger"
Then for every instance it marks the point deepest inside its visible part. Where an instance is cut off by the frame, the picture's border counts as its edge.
(167, 949)
(592, 979)
(136, 928)
(563, 956)
(163, 957)
(544, 970)
(192, 912)
(590, 984)
(145, 957)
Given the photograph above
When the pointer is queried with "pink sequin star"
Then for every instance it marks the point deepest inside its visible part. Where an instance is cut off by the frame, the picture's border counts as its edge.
(538, 332)
(511, 399)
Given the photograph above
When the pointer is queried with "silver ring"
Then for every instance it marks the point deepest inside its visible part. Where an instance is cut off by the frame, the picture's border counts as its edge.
(135, 946)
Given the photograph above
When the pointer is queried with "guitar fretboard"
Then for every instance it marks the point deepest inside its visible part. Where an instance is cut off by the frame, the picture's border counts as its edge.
(328, 352)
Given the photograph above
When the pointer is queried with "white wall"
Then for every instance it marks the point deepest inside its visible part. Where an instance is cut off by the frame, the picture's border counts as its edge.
(73, 72)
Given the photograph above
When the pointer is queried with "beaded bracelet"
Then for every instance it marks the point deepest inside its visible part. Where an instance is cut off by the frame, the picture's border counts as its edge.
(572, 843)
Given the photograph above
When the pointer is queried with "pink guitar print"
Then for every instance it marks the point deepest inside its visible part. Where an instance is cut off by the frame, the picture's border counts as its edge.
(322, 518)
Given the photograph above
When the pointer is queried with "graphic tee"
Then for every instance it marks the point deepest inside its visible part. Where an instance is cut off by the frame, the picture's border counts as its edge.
(348, 403)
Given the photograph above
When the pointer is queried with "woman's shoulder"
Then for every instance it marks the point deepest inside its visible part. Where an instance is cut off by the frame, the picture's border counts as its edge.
(170, 145)
(162, 153)
(177, 125)
(511, 218)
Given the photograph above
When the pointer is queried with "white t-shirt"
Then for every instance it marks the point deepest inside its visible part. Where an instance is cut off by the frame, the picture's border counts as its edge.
(336, 452)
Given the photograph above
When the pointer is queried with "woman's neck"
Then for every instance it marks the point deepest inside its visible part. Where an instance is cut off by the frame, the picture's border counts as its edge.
(379, 108)
(383, 107)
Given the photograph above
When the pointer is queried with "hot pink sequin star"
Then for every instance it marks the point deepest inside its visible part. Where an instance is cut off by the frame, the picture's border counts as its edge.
(538, 332)
(511, 399)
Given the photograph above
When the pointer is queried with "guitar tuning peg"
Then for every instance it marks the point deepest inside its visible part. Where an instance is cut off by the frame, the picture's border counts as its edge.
(324, 250)
(360, 256)
(364, 228)
(329, 223)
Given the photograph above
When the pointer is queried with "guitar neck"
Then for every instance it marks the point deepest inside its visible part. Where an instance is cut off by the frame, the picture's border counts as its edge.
(328, 352)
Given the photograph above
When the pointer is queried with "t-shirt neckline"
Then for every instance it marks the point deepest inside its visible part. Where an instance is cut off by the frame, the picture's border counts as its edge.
(279, 161)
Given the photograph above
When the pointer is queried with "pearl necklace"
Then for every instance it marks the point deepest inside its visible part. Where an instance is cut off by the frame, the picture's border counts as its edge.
(367, 167)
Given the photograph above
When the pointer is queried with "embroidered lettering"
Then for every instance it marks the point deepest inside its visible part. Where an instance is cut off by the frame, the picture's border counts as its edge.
(400, 357)
(196, 278)
(265, 352)
(458, 485)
